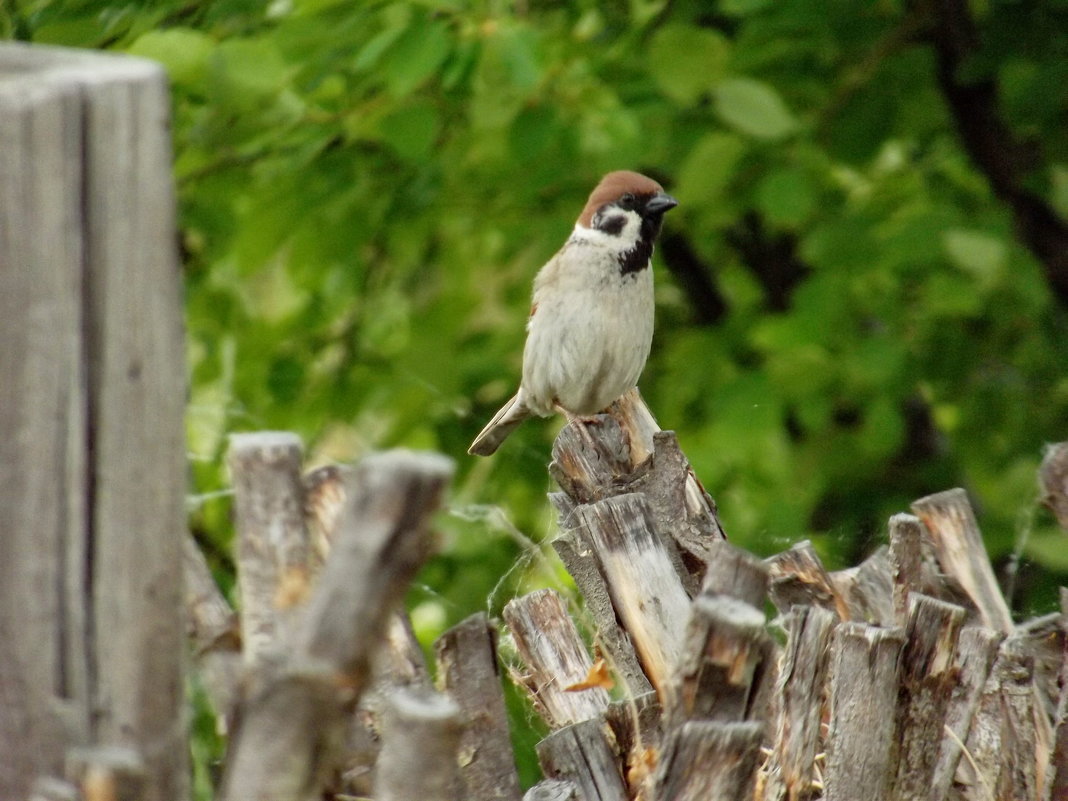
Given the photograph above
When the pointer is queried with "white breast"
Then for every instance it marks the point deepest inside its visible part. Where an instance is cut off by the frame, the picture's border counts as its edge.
(590, 335)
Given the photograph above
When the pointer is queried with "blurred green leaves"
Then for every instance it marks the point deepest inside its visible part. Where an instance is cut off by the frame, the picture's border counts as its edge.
(687, 62)
(754, 108)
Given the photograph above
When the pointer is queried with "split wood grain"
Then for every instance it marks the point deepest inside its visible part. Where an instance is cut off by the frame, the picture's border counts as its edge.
(709, 761)
(556, 658)
(420, 742)
(1057, 774)
(1045, 639)
(551, 790)
(799, 577)
(736, 573)
(724, 648)
(646, 592)
(214, 631)
(977, 648)
(323, 491)
(867, 590)
(592, 467)
(583, 755)
(581, 563)
(637, 725)
(926, 686)
(287, 745)
(906, 556)
(467, 671)
(802, 687)
(272, 542)
(136, 415)
(625, 451)
(1002, 741)
(1053, 481)
(958, 544)
(865, 664)
(641, 427)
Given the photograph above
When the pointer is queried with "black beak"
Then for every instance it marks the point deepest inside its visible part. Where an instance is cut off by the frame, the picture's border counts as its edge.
(659, 203)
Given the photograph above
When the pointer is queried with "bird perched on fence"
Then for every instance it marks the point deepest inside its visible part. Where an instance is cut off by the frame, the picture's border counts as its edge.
(591, 323)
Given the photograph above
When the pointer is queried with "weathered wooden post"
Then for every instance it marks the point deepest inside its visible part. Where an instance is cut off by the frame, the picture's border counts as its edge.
(92, 390)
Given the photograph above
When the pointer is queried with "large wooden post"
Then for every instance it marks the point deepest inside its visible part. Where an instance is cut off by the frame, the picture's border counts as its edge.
(92, 390)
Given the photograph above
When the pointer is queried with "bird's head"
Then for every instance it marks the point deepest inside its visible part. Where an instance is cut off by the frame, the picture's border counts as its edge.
(627, 205)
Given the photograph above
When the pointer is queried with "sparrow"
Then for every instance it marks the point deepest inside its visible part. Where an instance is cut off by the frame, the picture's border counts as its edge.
(591, 321)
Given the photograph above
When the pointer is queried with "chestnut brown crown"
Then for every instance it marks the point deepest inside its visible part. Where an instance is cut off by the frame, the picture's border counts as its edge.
(614, 186)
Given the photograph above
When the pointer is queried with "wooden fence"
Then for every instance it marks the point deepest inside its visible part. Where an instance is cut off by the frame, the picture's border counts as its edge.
(92, 457)
(904, 677)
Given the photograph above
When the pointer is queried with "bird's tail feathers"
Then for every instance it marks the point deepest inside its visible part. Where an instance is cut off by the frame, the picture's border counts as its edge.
(513, 413)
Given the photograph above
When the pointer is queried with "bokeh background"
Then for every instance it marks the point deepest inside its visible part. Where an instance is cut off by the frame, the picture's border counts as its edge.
(861, 299)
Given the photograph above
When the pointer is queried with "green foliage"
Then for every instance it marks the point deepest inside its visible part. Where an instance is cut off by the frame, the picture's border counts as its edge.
(367, 190)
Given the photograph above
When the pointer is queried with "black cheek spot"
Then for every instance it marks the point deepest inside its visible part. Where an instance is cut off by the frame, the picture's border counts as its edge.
(613, 226)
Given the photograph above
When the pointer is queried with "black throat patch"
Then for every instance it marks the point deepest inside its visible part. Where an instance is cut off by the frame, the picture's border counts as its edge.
(637, 258)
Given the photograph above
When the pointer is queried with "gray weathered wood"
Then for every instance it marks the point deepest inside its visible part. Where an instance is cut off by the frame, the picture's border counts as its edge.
(214, 631)
(1053, 481)
(556, 658)
(1057, 773)
(272, 542)
(636, 724)
(49, 788)
(927, 681)
(137, 406)
(43, 430)
(1045, 639)
(736, 573)
(645, 588)
(799, 577)
(92, 461)
(625, 451)
(468, 672)
(865, 661)
(906, 556)
(591, 468)
(977, 647)
(287, 740)
(641, 427)
(398, 663)
(109, 773)
(959, 546)
(801, 686)
(583, 755)
(581, 563)
(709, 761)
(420, 741)
(287, 743)
(1002, 742)
(723, 649)
(383, 538)
(867, 589)
(551, 790)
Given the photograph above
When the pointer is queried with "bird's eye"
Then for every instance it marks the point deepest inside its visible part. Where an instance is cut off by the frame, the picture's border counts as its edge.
(627, 201)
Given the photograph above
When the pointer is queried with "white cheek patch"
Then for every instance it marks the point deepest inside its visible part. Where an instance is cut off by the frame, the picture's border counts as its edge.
(623, 241)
